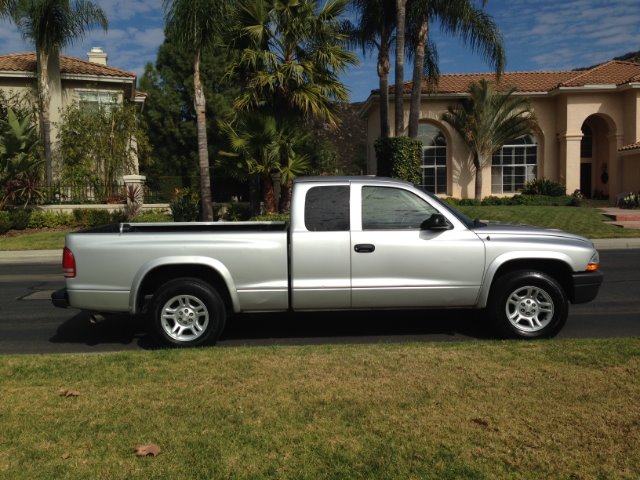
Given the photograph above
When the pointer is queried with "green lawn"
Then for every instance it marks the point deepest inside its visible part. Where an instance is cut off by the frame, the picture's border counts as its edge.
(588, 222)
(563, 409)
(43, 240)
(583, 221)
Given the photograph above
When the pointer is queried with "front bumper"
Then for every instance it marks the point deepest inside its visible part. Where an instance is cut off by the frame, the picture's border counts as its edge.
(585, 286)
(60, 298)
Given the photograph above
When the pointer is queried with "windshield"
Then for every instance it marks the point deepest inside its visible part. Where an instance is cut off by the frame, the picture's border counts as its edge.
(460, 216)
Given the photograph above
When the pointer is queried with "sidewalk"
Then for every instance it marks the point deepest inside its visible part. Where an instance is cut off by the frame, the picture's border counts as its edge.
(55, 256)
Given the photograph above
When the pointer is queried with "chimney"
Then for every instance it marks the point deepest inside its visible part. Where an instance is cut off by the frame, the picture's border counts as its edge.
(96, 55)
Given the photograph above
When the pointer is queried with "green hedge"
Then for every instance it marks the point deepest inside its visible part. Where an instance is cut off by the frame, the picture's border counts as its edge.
(533, 200)
(399, 157)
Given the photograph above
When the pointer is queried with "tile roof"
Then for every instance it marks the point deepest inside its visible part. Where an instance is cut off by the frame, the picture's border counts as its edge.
(614, 73)
(633, 146)
(26, 62)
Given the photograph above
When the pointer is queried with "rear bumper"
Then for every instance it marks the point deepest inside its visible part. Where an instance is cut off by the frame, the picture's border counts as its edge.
(60, 298)
(585, 286)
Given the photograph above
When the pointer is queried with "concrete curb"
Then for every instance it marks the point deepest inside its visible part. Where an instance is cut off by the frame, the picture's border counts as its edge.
(55, 256)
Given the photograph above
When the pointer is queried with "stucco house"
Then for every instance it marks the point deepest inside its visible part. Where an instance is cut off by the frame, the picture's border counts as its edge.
(87, 82)
(589, 136)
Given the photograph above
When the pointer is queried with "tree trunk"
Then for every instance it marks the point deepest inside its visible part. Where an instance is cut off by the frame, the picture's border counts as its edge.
(478, 162)
(416, 91)
(44, 97)
(383, 74)
(400, 30)
(268, 194)
(203, 151)
(285, 196)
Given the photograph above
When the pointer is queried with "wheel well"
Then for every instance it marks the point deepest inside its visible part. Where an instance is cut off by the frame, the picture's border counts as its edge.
(157, 277)
(556, 269)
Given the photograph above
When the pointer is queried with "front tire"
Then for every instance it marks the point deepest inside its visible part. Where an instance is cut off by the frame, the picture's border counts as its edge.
(187, 312)
(528, 304)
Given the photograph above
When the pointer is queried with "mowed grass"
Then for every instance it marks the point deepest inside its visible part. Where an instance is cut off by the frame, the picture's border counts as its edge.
(566, 409)
(39, 240)
(588, 222)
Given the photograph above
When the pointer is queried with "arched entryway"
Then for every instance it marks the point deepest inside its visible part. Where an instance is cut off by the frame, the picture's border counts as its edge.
(594, 157)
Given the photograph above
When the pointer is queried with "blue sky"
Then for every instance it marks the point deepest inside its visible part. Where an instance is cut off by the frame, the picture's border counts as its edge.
(539, 35)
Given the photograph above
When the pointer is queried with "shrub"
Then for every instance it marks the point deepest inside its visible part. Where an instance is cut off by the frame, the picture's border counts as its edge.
(493, 200)
(399, 157)
(5, 222)
(153, 216)
(543, 186)
(576, 199)
(271, 217)
(236, 212)
(20, 219)
(631, 200)
(469, 202)
(185, 207)
(49, 219)
(91, 218)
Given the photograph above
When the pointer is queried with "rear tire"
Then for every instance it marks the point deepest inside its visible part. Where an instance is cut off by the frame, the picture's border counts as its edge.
(187, 312)
(528, 304)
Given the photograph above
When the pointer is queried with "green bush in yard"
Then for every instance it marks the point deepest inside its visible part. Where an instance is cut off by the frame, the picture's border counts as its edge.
(20, 218)
(185, 207)
(493, 200)
(49, 219)
(399, 157)
(5, 222)
(543, 186)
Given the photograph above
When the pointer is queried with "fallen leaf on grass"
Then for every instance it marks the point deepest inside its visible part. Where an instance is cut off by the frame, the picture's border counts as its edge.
(67, 392)
(149, 450)
(66, 455)
(481, 422)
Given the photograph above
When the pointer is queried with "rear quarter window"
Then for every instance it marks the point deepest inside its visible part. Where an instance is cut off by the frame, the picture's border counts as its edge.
(326, 209)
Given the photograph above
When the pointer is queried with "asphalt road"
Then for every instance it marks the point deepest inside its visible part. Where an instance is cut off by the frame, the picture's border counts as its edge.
(29, 323)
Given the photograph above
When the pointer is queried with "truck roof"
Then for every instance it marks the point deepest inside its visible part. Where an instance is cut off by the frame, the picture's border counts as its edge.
(350, 179)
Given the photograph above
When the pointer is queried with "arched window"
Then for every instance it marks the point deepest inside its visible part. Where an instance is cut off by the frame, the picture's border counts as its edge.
(434, 158)
(514, 165)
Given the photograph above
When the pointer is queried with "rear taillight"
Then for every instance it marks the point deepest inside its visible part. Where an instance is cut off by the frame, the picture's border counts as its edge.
(68, 263)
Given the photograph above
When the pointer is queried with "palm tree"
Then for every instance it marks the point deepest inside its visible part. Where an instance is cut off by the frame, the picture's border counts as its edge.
(51, 25)
(375, 26)
(400, 47)
(487, 120)
(291, 55)
(458, 18)
(195, 24)
(266, 146)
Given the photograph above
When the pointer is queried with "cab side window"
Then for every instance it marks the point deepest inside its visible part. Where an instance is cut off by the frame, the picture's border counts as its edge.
(327, 209)
(386, 208)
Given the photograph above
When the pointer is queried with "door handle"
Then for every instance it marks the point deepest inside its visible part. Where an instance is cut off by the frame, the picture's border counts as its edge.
(364, 248)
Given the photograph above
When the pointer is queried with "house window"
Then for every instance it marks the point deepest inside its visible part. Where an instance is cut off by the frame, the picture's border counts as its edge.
(94, 99)
(514, 165)
(434, 158)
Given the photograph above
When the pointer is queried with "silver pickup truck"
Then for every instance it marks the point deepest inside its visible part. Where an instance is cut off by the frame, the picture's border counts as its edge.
(352, 243)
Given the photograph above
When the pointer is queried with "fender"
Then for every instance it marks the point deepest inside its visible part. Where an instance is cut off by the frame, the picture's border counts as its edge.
(501, 260)
(208, 262)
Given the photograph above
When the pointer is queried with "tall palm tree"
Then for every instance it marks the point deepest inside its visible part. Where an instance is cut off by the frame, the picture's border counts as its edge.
(195, 24)
(51, 25)
(375, 26)
(459, 18)
(487, 120)
(291, 55)
(399, 73)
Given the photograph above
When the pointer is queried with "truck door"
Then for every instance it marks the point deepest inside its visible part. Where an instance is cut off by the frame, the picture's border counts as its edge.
(320, 246)
(396, 264)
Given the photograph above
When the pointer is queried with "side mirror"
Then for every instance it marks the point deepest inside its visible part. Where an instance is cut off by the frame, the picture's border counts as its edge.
(436, 221)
